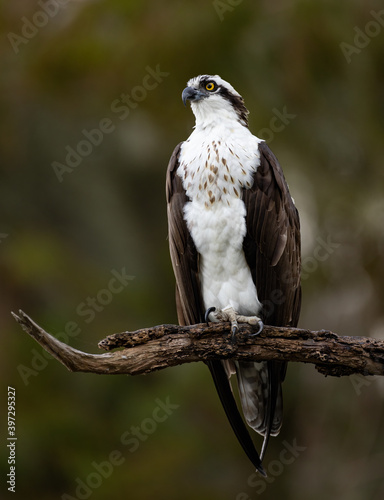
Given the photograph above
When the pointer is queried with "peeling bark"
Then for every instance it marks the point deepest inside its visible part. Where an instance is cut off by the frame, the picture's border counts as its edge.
(150, 349)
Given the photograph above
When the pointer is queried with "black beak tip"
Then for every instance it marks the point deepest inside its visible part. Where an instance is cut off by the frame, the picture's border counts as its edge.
(189, 93)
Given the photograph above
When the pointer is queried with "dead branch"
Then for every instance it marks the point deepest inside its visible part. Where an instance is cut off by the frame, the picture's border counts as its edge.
(159, 347)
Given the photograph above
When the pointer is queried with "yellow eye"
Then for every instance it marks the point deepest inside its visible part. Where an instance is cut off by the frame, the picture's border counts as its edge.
(210, 86)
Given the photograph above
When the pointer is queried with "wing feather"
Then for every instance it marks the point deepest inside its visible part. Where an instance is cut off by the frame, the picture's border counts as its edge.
(184, 255)
(272, 242)
(272, 250)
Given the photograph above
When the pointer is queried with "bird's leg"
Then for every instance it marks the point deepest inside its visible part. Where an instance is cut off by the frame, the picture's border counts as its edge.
(229, 314)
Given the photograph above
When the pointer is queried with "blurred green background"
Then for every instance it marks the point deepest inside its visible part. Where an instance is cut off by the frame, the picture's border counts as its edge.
(312, 75)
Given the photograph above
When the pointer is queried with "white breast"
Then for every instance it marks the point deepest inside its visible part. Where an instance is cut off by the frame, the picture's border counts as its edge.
(214, 169)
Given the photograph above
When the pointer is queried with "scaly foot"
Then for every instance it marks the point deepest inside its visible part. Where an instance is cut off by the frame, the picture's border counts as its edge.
(229, 314)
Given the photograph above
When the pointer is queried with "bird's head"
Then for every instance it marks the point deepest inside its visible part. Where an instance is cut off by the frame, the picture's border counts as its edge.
(213, 100)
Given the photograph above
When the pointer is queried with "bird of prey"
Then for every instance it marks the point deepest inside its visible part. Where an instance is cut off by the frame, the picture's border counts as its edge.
(234, 237)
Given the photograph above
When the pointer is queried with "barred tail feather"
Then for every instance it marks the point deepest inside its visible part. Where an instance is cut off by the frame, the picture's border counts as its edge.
(260, 396)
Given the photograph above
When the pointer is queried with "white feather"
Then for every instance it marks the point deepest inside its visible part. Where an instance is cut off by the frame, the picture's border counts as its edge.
(216, 163)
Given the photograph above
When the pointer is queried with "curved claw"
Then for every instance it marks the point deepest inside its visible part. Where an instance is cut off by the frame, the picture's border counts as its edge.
(234, 331)
(261, 326)
(207, 313)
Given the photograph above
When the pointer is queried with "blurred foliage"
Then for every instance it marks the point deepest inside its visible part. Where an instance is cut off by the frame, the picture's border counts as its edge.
(60, 241)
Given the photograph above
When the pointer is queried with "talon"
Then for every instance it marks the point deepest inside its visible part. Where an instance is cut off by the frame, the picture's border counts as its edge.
(207, 313)
(261, 326)
(234, 331)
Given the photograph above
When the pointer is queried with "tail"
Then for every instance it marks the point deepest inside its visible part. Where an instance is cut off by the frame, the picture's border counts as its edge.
(224, 390)
(261, 396)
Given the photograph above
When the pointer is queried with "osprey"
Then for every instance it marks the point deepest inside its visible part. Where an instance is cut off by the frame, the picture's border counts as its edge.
(234, 239)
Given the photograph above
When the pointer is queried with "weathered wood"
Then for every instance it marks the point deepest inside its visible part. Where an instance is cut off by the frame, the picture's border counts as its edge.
(155, 348)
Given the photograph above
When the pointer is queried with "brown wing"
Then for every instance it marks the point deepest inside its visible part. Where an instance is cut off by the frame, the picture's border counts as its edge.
(272, 242)
(184, 256)
(272, 251)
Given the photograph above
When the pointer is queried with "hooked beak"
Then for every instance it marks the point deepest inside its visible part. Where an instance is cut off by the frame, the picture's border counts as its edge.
(191, 94)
